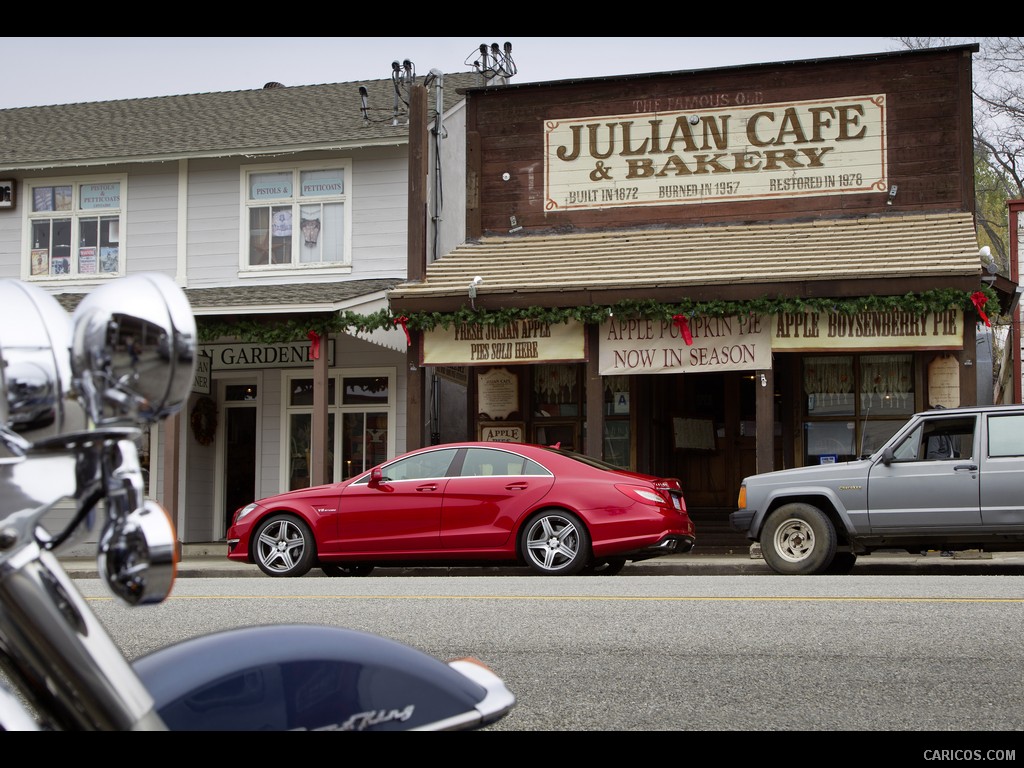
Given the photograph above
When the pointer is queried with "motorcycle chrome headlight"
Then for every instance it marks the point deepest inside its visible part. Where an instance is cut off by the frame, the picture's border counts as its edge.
(133, 349)
(37, 398)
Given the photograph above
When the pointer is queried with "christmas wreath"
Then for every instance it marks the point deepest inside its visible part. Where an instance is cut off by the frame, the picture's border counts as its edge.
(204, 420)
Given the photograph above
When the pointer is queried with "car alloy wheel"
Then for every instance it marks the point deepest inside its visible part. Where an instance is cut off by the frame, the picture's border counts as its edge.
(284, 546)
(555, 543)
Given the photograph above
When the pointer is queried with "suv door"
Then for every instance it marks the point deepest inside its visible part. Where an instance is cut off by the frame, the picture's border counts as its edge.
(1002, 499)
(933, 480)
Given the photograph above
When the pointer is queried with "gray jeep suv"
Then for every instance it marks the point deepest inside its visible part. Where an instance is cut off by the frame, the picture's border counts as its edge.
(949, 479)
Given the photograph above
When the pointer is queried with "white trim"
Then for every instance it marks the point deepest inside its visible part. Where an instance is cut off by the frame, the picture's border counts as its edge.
(225, 379)
(295, 269)
(77, 213)
(181, 270)
(339, 375)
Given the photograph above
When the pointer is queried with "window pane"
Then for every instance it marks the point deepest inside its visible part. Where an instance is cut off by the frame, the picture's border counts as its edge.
(829, 441)
(365, 389)
(1006, 436)
(281, 235)
(886, 385)
(310, 226)
(828, 386)
(259, 235)
(322, 183)
(240, 392)
(302, 392)
(270, 186)
(332, 247)
(105, 195)
(299, 429)
(60, 249)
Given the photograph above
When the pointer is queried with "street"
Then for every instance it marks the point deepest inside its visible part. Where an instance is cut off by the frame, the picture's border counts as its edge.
(716, 653)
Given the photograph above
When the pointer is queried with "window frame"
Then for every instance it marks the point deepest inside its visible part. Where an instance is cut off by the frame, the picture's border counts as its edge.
(335, 413)
(295, 267)
(76, 214)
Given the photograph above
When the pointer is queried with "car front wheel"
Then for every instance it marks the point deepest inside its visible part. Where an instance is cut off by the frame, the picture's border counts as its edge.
(555, 544)
(284, 546)
(798, 539)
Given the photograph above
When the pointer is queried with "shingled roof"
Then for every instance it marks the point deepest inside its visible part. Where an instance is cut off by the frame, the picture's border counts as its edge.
(815, 258)
(229, 123)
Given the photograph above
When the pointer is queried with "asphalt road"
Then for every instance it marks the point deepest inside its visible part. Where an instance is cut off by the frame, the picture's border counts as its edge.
(759, 654)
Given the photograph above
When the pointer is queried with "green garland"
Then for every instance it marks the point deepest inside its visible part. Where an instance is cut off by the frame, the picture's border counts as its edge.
(298, 327)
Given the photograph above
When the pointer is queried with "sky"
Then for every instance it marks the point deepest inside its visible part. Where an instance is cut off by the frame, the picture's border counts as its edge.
(66, 70)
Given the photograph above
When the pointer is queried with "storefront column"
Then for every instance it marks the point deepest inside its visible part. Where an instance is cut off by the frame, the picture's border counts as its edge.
(319, 449)
(594, 446)
(764, 402)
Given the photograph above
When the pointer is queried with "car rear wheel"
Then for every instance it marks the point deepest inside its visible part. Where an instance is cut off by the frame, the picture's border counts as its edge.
(798, 539)
(555, 544)
(284, 546)
(341, 569)
(608, 567)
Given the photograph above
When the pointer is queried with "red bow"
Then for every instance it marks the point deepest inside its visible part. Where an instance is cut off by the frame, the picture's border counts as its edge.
(684, 328)
(402, 321)
(979, 300)
(314, 345)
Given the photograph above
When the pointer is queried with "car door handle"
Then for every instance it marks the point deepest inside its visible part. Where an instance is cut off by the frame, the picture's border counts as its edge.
(430, 487)
(516, 487)
(965, 468)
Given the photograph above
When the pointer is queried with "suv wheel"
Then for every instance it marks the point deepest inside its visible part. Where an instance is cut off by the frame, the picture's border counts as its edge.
(798, 539)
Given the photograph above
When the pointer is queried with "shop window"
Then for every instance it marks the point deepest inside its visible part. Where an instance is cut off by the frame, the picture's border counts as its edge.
(365, 413)
(75, 229)
(854, 403)
(616, 445)
(556, 390)
(296, 217)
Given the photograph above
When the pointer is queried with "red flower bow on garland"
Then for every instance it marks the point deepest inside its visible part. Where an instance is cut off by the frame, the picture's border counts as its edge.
(979, 299)
(684, 328)
(402, 321)
(314, 345)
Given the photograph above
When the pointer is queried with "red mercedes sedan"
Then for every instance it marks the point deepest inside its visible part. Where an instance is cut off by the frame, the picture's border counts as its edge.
(471, 503)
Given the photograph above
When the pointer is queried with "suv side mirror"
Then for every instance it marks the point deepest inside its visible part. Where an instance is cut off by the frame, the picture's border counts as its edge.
(887, 456)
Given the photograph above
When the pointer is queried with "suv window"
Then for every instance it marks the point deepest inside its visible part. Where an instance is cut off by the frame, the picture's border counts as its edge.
(938, 439)
(1006, 435)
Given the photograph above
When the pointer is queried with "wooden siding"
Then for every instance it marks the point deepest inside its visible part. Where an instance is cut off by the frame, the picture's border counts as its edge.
(928, 132)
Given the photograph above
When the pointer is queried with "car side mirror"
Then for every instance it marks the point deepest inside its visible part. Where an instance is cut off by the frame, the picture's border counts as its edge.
(376, 476)
(887, 456)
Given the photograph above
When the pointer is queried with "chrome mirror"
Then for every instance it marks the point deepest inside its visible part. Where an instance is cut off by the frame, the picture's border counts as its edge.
(133, 350)
(38, 400)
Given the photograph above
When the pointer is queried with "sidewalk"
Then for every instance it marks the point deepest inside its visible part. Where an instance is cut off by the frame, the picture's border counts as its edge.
(210, 561)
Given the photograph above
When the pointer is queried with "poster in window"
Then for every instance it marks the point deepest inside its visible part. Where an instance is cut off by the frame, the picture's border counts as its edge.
(62, 198)
(40, 261)
(7, 190)
(108, 259)
(60, 265)
(281, 224)
(87, 261)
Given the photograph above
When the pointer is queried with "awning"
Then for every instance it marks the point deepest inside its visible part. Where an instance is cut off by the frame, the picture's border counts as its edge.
(275, 301)
(885, 255)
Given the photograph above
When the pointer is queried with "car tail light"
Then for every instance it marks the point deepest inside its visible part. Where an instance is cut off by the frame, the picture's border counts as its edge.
(644, 494)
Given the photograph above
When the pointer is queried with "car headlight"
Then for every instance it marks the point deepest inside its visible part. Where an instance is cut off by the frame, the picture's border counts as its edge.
(245, 511)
